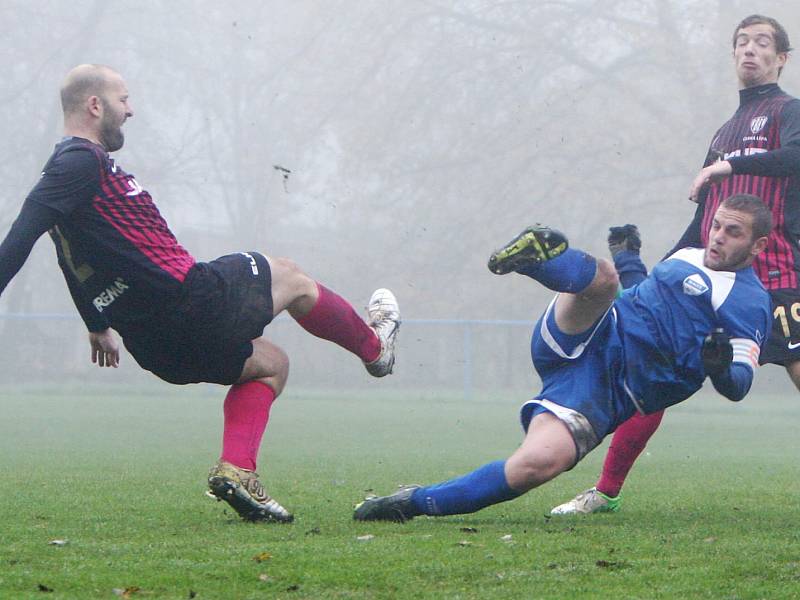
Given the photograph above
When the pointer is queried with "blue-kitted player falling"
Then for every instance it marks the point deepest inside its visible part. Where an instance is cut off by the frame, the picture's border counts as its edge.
(700, 313)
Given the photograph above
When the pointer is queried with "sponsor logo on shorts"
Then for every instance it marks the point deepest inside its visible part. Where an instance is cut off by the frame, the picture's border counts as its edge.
(792, 346)
(694, 285)
(111, 293)
(253, 265)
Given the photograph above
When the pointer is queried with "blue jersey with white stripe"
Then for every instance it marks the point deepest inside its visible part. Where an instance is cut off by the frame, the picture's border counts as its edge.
(664, 320)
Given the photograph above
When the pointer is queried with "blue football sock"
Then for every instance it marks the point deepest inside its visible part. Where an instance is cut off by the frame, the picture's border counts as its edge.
(483, 487)
(570, 272)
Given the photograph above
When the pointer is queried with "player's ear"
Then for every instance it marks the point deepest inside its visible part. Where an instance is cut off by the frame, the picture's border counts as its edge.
(758, 246)
(94, 106)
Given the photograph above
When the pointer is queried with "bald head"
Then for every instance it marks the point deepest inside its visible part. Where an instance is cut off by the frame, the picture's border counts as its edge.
(95, 102)
(84, 81)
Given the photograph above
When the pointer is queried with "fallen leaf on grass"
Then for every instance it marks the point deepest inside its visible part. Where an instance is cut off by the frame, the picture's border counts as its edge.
(468, 530)
(365, 538)
(264, 577)
(262, 556)
(126, 592)
(58, 542)
(507, 538)
(315, 531)
(606, 564)
(192, 594)
(464, 543)
(710, 540)
(293, 588)
(43, 588)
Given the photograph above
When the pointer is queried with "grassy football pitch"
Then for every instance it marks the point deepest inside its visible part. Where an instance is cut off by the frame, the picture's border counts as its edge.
(103, 494)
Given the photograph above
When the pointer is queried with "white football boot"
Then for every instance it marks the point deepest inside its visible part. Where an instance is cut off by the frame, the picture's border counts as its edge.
(588, 502)
(384, 318)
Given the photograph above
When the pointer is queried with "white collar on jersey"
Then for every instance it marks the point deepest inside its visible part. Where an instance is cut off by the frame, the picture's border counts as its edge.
(721, 281)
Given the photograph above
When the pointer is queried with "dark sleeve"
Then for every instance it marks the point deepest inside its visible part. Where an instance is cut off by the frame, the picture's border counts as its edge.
(33, 220)
(630, 268)
(781, 162)
(735, 382)
(69, 180)
(691, 237)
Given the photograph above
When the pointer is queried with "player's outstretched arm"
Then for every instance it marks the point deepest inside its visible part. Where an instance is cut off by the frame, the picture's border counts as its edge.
(33, 220)
(105, 348)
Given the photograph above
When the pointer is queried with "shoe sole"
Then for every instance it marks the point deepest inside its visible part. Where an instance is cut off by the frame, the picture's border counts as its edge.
(533, 246)
(223, 489)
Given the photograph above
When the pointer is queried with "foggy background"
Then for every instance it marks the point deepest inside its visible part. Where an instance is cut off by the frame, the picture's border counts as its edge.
(378, 144)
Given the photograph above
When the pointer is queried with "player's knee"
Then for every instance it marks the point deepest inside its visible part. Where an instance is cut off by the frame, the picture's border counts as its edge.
(288, 273)
(606, 280)
(528, 471)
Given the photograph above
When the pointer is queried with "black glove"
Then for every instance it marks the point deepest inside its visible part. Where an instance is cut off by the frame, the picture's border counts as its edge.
(624, 238)
(717, 352)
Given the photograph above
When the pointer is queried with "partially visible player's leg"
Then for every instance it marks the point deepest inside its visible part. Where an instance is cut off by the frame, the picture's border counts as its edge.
(548, 450)
(246, 414)
(793, 370)
(629, 440)
(327, 315)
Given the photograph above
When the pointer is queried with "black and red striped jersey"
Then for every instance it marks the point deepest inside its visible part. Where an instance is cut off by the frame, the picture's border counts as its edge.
(762, 143)
(122, 263)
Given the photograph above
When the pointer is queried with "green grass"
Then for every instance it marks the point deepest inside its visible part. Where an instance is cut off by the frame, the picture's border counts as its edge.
(710, 512)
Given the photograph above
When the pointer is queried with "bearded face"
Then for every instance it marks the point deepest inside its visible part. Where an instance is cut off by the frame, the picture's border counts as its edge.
(111, 135)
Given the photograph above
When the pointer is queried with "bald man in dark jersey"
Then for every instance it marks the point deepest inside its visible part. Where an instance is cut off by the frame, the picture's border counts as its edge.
(185, 321)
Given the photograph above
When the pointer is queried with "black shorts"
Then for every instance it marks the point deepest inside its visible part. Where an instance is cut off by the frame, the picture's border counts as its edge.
(783, 345)
(207, 336)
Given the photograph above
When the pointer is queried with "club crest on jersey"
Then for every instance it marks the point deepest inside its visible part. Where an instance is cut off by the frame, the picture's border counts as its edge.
(694, 285)
(757, 124)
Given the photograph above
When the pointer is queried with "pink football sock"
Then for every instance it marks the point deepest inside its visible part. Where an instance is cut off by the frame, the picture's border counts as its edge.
(334, 319)
(246, 411)
(629, 440)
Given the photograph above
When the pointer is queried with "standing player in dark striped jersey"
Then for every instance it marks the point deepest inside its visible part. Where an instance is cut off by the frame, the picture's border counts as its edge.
(183, 320)
(757, 151)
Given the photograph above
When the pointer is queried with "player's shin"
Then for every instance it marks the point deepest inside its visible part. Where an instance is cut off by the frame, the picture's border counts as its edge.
(334, 319)
(246, 412)
(482, 487)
